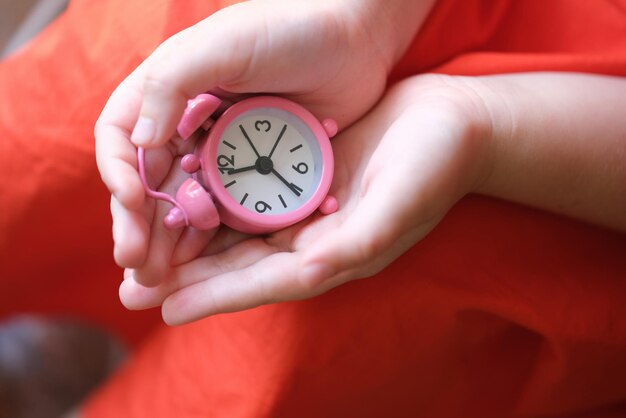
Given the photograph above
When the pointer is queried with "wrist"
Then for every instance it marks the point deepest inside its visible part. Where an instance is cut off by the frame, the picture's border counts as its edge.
(452, 135)
(465, 107)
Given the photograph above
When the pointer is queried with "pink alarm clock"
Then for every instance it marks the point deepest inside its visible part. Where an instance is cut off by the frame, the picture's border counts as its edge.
(266, 163)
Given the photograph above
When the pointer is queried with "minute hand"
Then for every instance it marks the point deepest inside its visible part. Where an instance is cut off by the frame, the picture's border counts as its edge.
(291, 186)
(245, 134)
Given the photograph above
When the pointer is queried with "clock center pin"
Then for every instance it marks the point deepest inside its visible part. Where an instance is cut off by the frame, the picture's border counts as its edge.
(264, 165)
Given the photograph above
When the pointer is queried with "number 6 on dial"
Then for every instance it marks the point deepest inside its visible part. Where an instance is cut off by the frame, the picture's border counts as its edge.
(266, 163)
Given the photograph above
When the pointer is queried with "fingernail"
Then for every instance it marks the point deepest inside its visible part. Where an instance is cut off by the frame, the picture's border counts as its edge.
(144, 131)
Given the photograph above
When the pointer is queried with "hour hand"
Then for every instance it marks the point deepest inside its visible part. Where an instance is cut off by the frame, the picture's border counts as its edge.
(241, 170)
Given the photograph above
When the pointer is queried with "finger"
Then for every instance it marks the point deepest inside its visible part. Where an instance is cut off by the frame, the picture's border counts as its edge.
(195, 243)
(191, 244)
(178, 71)
(340, 254)
(161, 246)
(223, 240)
(135, 296)
(258, 57)
(162, 241)
(130, 234)
(272, 279)
(116, 157)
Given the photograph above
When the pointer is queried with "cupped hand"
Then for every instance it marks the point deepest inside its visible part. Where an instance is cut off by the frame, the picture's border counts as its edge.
(320, 54)
(397, 172)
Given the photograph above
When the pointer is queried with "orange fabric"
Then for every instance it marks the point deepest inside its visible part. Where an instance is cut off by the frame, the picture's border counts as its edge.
(479, 37)
(501, 311)
(55, 230)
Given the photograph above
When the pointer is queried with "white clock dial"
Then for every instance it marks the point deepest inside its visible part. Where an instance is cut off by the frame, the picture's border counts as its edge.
(269, 161)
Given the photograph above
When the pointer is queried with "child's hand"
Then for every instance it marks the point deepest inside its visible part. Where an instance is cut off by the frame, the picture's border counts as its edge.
(397, 173)
(331, 57)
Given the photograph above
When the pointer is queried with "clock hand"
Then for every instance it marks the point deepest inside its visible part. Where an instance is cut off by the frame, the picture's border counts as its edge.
(291, 186)
(277, 140)
(249, 140)
(241, 170)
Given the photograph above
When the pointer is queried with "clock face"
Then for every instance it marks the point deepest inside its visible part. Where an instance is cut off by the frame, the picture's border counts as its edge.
(269, 161)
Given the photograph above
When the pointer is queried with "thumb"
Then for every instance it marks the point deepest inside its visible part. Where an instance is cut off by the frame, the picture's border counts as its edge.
(191, 62)
(404, 191)
(242, 48)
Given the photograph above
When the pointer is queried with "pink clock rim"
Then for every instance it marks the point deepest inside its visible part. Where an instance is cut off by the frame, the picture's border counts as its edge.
(236, 215)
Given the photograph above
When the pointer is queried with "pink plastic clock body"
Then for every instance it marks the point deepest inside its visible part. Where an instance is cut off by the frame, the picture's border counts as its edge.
(265, 164)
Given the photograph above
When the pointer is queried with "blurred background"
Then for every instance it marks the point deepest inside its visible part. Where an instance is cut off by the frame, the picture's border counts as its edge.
(47, 365)
(20, 20)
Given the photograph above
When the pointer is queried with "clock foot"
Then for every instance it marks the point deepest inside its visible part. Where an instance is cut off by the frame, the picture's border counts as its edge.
(329, 205)
(330, 126)
(190, 163)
